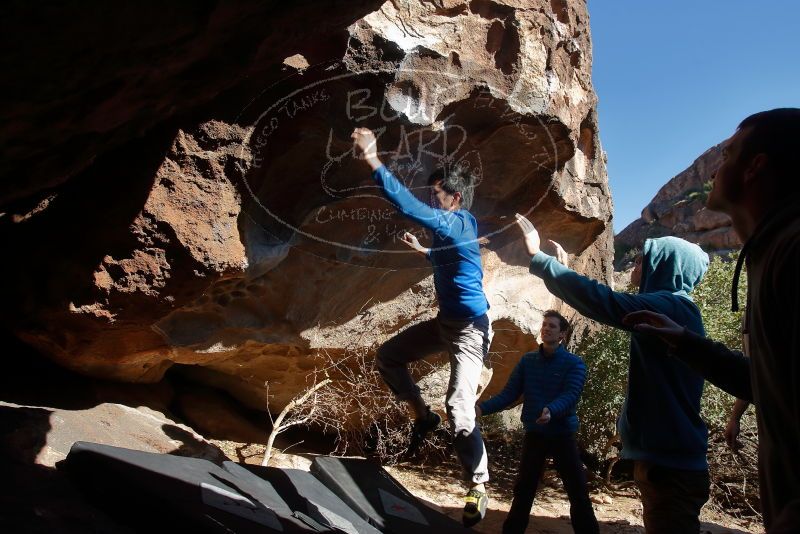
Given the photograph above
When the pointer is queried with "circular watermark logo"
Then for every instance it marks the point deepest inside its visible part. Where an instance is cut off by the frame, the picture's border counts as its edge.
(307, 183)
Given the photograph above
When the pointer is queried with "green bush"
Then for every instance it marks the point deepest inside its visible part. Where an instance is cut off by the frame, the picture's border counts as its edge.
(712, 296)
(620, 252)
(697, 195)
(606, 357)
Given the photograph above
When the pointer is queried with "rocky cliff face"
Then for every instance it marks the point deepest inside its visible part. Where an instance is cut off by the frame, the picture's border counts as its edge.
(179, 187)
(679, 209)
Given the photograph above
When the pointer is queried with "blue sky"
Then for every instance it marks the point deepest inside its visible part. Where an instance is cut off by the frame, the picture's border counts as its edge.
(675, 77)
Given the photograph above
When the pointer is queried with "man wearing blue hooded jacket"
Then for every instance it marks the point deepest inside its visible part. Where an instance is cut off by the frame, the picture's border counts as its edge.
(660, 423)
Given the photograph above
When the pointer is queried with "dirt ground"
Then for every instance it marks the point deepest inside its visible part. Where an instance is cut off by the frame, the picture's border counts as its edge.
(620, 513)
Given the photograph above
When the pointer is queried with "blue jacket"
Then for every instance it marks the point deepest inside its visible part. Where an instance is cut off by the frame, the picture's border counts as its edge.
(455, 254)
(555, 381)
(660, 420)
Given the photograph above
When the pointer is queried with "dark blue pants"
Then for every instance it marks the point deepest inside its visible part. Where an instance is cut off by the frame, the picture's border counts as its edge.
(563, 449)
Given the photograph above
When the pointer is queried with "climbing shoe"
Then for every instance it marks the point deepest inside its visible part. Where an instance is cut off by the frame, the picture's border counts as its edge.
(474, 507)
(422, 427)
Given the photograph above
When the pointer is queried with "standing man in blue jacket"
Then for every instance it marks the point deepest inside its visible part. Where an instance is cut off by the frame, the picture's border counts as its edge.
(550, 381)
(660, 423)
(462, 327)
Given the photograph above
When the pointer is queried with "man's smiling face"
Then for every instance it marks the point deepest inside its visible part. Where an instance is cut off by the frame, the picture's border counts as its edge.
(551, 332)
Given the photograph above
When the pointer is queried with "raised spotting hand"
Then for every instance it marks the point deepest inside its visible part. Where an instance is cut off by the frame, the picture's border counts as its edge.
(561, 254)
(530, 234)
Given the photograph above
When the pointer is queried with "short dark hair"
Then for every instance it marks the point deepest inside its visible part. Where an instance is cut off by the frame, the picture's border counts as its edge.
(775, 133)
(456, 179)
(563, 324)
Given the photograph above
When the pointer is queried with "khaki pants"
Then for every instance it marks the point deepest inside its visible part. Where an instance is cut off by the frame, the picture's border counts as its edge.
(467, 343)
(671, 498)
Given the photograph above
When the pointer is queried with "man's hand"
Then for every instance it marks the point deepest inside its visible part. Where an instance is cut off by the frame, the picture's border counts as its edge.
(366, 146)
(561, 254)
(532, 240)
(478, 412)
(734, 419)
(649, 322)
(545, 417)
(732, 433)
(412, 241)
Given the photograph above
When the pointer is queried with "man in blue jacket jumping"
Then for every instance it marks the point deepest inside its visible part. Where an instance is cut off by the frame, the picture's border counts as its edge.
(550, 381)
(462, 327)
(660, 423)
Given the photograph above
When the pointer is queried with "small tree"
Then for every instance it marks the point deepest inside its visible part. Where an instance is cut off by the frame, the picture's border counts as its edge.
(301, 410)
(606, 356)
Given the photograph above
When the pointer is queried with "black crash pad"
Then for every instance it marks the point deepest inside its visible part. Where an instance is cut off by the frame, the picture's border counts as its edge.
(156, 492)
(307, 494)
(380, 499)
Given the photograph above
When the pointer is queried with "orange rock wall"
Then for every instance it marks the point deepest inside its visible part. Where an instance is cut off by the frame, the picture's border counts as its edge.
(182, 189)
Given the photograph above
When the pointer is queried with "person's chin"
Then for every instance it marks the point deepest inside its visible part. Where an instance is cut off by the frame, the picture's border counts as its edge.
(714, 202)
(718, 207)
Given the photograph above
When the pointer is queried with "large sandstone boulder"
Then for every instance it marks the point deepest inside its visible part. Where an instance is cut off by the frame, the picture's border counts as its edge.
(180, 188)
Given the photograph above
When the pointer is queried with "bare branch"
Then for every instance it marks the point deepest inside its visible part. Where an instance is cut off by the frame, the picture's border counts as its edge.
(279, 426)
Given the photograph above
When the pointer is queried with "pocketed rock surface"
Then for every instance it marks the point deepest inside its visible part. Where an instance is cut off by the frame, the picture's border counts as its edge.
(179, 189)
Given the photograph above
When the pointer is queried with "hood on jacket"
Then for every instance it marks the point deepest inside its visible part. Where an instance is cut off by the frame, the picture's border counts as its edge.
(671, 264)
